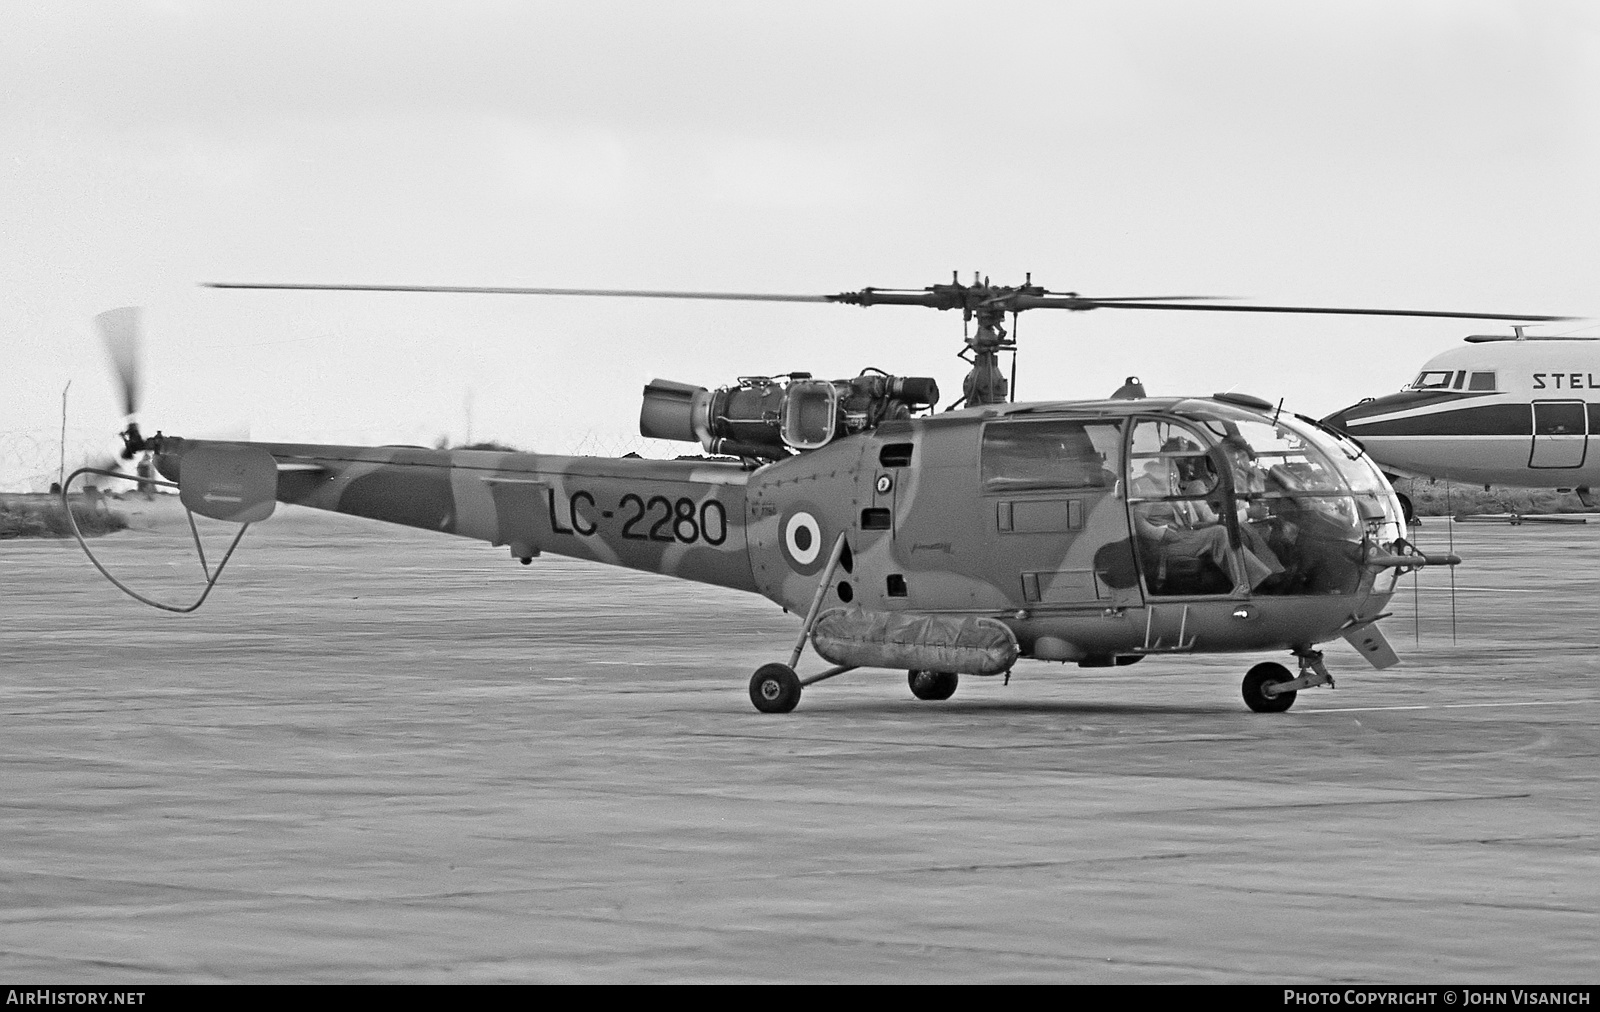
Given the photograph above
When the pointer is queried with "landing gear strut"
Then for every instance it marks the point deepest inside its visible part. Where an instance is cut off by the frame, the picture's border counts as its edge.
(775, 688)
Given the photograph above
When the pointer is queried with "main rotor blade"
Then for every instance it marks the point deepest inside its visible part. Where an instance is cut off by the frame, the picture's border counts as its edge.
(623, 293)
(119, 329)
(955, 296)
(1079, 303)
(1146, 298)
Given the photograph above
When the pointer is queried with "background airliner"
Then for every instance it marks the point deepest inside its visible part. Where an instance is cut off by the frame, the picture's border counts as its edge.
(1503, 410)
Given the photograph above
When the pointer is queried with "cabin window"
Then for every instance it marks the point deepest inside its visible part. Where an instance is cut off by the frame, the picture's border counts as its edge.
(895, 455)
(876, 519)
(1175, 499)
(1165, 457)
(1560, 418)
(1051, 453)
(1433, 380)
(1482, 381)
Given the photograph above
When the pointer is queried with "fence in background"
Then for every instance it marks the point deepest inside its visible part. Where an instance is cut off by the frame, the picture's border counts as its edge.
(30, 459)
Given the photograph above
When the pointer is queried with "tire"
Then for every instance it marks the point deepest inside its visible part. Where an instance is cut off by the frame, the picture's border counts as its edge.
(1267, 673)
(1406, 508)
(933, 685)
(775, 688)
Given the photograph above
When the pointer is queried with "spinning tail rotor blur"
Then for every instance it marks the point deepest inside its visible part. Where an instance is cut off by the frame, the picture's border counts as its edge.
(120, 332)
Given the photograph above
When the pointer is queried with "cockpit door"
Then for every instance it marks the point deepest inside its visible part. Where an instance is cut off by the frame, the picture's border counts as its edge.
(1178, 506)
(1560, 434)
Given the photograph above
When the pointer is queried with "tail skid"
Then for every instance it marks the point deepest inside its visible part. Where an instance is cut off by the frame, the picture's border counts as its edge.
(211, 577)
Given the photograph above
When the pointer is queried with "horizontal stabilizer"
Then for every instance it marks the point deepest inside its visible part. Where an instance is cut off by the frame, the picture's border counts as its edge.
(1491, 338)
(238, 484)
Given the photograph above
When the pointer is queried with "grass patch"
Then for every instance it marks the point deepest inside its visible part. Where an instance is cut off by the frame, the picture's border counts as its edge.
(47, 519)
(1448, 498)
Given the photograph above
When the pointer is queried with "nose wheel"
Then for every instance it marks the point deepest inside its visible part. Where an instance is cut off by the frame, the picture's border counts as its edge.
(1255, 685)
(1269, 689)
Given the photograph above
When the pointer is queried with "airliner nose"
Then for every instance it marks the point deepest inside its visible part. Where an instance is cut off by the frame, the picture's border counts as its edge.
(1339, 419)
(1356, 420)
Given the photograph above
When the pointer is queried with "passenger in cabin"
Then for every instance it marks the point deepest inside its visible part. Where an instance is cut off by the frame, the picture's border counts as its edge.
(1263, 532)
(1249, 483)
(1179, 528)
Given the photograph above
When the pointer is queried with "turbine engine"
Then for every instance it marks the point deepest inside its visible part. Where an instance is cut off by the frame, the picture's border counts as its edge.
(768, 417)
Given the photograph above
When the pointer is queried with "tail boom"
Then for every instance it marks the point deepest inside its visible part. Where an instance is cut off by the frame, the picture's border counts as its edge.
(681, 518)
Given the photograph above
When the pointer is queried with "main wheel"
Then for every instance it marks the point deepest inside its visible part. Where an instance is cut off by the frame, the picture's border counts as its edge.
(1407, 509)
(933, 684)
(1260, 676)
(775, 688)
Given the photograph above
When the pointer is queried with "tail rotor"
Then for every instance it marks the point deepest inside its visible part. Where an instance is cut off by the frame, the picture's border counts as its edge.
(121, 334)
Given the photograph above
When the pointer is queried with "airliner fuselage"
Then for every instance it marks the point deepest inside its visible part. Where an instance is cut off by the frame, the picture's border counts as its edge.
(1512, 412)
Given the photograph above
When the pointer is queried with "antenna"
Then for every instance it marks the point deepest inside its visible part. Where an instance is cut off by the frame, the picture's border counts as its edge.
(61, 478)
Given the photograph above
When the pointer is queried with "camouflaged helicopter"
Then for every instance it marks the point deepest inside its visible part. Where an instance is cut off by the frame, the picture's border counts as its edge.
(939, 543)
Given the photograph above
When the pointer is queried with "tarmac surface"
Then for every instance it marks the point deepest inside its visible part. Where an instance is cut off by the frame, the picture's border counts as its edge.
(384, 755)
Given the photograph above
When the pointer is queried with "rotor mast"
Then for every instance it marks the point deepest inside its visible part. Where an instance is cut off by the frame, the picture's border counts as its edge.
(984, 382)
(982, 304)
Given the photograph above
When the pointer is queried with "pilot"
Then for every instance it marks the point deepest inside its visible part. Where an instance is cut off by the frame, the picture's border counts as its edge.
(1190, 529)
(1248, 481)
(1318, 536)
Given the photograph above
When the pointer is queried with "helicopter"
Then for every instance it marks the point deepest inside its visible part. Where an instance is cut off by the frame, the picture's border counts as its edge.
(941, 543)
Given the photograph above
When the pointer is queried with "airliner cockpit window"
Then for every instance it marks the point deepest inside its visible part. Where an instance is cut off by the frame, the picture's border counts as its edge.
(1481, 381)
(1433, 380)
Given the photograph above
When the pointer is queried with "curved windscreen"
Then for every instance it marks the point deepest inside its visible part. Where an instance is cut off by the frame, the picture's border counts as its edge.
(1299, 505)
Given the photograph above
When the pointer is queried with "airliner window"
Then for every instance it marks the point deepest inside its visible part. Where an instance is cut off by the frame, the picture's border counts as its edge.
(1481, 381)
(1433, 380)
(1563, 419)
(1055, 453)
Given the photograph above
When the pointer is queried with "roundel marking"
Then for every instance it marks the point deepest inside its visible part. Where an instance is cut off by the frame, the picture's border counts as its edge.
(802, 541)
(885, 483)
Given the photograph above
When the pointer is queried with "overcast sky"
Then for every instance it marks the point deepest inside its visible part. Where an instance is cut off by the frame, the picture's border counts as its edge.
(1437, 155)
